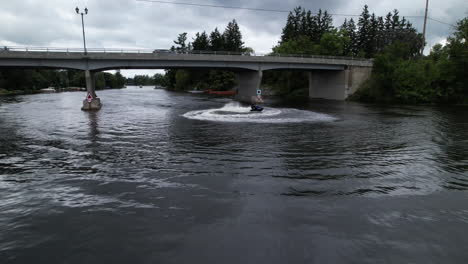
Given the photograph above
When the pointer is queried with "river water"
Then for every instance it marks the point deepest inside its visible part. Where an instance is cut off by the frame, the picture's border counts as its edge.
(161, 177)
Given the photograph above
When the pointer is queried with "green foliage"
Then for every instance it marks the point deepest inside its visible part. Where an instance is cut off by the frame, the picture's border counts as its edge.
(216, 41)
(202, 79)
(334, 43)
(141, 80)
(399, 76)
(221, 80)
(348, 29)
(415, 82)
(33, 80)
(100, 81)
(201, 42)
(299, 45)
(181, 47)
(456, 67)
(233, 37)
(161, 80)
(286, 82)
(302, 23)
(182, 79)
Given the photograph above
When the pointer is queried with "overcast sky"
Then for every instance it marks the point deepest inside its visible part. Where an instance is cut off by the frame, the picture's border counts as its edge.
(133, 24)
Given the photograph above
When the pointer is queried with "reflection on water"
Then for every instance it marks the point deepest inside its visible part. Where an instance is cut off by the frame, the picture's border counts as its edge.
(165, 177)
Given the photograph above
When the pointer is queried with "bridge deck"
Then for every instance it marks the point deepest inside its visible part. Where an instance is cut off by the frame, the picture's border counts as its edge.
(124, 60)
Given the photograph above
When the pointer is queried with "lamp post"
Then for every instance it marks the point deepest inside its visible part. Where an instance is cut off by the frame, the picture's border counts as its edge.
(82, 24)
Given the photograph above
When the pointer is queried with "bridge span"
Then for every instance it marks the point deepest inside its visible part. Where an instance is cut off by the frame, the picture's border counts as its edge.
(329, 77)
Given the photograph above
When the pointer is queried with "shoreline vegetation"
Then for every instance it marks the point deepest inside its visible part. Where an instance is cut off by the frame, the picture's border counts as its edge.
(401, 74)
(19, 82)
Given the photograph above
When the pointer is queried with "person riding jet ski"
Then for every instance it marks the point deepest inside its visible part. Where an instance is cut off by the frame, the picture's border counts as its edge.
(256, 100)
(256, 108)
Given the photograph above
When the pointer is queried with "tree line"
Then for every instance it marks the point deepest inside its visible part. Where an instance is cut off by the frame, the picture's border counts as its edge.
(33, 80)
(315, 34)
(306, 33)
(230, 40)
(441, 77)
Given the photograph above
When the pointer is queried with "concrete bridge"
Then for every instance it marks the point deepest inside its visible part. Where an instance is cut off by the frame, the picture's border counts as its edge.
(329, 77)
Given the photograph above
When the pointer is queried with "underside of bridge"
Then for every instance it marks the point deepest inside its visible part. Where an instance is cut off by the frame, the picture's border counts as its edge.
(324, 84)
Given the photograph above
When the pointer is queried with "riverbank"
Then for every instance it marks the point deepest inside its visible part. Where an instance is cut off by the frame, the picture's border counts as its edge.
(4, 92)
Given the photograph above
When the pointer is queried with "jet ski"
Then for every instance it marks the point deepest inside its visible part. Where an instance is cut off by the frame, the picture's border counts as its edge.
(256, 108)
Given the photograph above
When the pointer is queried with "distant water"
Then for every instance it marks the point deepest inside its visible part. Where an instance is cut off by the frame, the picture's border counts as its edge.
(161, 177)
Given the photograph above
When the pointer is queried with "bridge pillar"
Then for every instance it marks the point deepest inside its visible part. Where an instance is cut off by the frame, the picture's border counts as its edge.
(248, 82)
(93, 103)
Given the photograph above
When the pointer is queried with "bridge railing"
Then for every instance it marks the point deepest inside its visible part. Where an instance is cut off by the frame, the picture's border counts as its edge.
(171, 52)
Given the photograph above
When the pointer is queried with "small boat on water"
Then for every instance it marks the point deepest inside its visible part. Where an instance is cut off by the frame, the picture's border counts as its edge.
(222, 93)
(196, 92)
(48, 90)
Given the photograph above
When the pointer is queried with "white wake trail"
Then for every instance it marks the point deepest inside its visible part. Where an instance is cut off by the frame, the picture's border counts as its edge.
(235, 112)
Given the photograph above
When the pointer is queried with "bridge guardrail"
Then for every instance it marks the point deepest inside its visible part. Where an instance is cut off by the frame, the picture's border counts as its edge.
(169, 52)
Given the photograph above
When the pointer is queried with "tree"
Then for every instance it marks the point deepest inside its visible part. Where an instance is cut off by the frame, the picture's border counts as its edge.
(454, 71)
(333, 43)
(216, 41)
(364, 40)
(181, 47)
(325, 24)
(119, 80)
(299, 45)
(201, 42)
(221, 80)
(233, 37)
(182, 78)
(289, 31)
(348, 30)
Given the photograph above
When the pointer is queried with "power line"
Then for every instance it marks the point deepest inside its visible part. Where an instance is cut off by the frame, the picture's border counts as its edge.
(262, 9)
(216, 6)
(232, 7)
(442, 22)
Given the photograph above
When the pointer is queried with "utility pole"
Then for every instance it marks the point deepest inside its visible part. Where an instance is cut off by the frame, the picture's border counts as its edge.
(82, 25)
(424, 28)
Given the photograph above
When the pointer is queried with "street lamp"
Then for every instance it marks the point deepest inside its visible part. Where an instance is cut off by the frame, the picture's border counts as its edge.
(82, 24)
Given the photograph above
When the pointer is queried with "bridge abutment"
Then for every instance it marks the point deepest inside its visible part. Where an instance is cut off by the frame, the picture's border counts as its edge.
(356, 77)
(91, 102)
(248, 82)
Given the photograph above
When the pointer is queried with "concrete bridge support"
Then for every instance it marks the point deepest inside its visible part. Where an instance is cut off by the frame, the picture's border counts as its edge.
(337, 85)
(248, 82)
(93, 102)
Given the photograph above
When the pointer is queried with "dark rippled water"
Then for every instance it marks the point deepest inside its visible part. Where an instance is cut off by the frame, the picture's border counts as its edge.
(157, 177)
